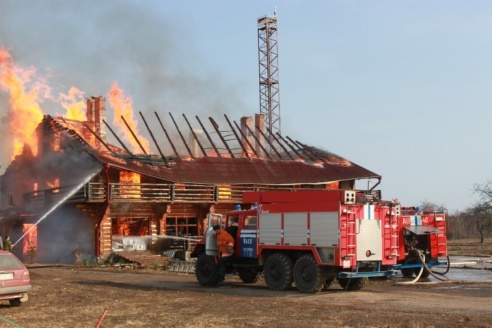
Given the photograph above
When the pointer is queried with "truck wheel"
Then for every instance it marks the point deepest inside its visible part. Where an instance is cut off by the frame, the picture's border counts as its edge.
(248, 276)
(207, 271)
(308, 276)
(15, 302)
(328, 282)
(352, 283)
(408, 273)
(278, 272)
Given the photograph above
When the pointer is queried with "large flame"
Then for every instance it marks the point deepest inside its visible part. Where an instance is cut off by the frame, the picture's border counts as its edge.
(74, 103)
(130, 184)
(122, 106)
(24, 112)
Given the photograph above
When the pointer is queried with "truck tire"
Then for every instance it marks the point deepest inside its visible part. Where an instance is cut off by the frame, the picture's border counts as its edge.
(278, 272)
(248, 275)
(352, 283)
(408, 273)
(308, 276)
(15, 302)
(328, 282)
(206, 270)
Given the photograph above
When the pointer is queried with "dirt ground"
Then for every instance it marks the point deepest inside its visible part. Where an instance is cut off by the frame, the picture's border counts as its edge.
(71, 296)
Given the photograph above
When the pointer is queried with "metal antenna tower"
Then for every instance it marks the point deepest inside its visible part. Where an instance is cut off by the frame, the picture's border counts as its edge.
(268, 69)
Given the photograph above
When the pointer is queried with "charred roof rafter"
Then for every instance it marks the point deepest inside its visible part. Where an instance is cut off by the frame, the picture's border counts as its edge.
(155, 141)
(167, 135)
(208, 137)
(195, 136)
(181, 135)
(290, 146)
(134, 135)
(246, 139)
(237, 137)
(216, 127)
(281, 145)
(272, 147)
(117, 138)
(267, 154)
(100, 139)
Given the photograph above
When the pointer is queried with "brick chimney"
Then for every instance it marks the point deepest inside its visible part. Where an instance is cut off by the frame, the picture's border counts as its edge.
(96, 113)
(247, 122)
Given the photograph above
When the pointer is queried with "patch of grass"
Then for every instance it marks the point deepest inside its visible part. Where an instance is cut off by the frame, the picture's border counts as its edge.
(470, 247)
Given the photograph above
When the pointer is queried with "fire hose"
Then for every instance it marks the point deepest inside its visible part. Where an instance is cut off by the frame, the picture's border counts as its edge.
(434, 274)
(421, 257)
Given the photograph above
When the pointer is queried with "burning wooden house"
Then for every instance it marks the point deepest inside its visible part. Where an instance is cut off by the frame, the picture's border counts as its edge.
(80, 195)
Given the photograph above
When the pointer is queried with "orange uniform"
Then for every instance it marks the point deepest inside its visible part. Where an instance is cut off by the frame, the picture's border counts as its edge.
(225, 242)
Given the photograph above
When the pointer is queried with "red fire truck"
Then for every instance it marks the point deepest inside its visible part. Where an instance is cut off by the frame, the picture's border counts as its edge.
(422, 237)
(305, 237)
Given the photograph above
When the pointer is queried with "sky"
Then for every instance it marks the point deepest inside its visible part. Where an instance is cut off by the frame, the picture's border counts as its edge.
(401, 88)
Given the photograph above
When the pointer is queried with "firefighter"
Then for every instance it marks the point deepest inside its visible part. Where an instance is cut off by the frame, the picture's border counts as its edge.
(7, 244)
(226, 249)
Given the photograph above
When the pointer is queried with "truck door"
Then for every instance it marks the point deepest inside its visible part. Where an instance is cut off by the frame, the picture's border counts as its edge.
(248, 237)
(211, 247)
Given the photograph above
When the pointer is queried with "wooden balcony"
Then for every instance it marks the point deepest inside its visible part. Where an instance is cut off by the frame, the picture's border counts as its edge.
(95, 192)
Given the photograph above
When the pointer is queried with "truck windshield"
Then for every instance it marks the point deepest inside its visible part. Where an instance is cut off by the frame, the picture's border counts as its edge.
(233, 221)
(250, 223)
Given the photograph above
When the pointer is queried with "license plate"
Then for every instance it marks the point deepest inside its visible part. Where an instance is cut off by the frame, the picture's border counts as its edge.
(6, 276)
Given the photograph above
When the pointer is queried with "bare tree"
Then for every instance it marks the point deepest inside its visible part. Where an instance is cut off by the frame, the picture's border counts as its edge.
(481, 216)
(481, 212)
(459, 226)
(484, 191)
(430, 206)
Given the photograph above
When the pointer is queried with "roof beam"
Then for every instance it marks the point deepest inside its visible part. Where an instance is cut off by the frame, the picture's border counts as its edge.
(181, 135)
(119, 140)
(208, 137)
(153, 138)
(134, 135)
(167, 135)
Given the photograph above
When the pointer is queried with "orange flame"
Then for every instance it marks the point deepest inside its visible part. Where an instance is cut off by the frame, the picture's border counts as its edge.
(54, 184)
(74, 103)
(130, 184)
(30, 241)
(340, 161)
(25, 113)
(122, 106)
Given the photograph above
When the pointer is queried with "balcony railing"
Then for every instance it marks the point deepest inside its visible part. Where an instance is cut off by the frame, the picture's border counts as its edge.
(139, 192)
(95, 192)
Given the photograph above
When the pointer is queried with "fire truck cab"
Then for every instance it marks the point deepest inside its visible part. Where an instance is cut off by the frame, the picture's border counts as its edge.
(306, 238)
